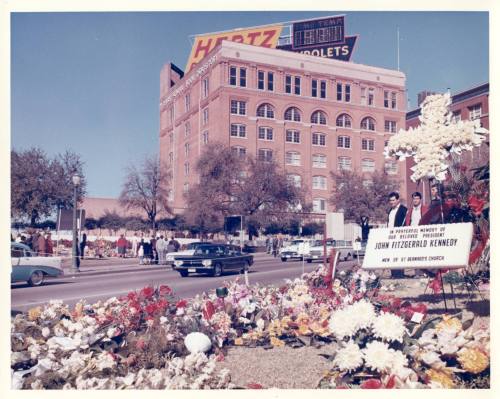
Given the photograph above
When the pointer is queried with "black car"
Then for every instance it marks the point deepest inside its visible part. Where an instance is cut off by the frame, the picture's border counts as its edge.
(213, 259)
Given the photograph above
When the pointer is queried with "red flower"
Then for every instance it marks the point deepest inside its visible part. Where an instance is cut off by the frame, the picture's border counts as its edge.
(391, 383)
(209, 310)
(476, 205)
(132, 296)
(372, 383)
(147, 292)
(181, 304)
(254, 385)
(165, 290)
(162, 304)
(435, 285)
(151, 308)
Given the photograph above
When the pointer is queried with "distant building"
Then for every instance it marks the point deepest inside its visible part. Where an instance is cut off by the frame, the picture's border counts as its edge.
(98, 207)
(468, 104)
(312, 115)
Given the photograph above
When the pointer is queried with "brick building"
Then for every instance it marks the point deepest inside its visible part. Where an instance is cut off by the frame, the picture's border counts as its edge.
(313, 115)
(468, 104)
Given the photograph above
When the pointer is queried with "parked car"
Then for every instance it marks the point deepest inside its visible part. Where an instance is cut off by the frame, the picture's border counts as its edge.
(190, 248)
(213, 259)
(317, 249)
(291, 251)
(28, 266)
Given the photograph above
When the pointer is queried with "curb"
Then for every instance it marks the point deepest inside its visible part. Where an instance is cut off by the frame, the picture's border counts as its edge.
(83, 273)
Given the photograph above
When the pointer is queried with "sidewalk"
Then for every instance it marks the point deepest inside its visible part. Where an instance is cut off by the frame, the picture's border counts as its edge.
(93, 266)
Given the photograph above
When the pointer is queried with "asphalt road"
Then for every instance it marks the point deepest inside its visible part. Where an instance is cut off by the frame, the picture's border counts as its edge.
(70, 289)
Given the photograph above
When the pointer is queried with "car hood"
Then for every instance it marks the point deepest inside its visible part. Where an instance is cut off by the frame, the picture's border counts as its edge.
(49, 261)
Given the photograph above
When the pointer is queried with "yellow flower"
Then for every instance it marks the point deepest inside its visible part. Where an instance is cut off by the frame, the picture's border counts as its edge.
(442, 377)
(304, 330)
(449, 323)
(277, 342)
(302, 318)
(473, 360)
(238, 341)
(284, 322)
(34, 313)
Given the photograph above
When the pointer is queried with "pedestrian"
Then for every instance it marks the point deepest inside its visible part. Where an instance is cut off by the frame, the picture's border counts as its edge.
(121, 245)
(396, 218)
(154, 253)
(275, 246)
(147, 252)
(415, 212)
(161, 248)
(135, 243)
(34, 241)
(41, 245)
(140, 252)
(175, 244)
(83, 244)
(49, 245)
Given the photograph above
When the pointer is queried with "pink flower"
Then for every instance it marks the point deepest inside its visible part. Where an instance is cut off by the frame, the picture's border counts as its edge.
(372, 383)
(147, 292)
(165, 290)
(181, 304)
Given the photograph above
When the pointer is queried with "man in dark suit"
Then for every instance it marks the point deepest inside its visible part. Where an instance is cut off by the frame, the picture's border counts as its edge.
(396, 218)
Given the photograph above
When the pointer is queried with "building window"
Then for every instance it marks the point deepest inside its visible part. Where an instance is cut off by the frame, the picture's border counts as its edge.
(270, 81)
(187, 102)
(367, 165)
(475, 112)
(393, 100)
(297, 85)
(186, 168)
(319, 139)
(363, 96)
(232, 76)
(344, 163)
(319, 205)
(319, 161)
(292, 136)
(205, 137)
(205, 116)
(265, 111)
(185, 188)
(295, 180)
(318, 118)
(456, 116)
(238, 130)
(292, 158)
(368, 145)
(368, 123)
(186, 149)
(265, 133)
(319, 182)
(239, 151)
(390, 99)
(314, 88)
(371, 97)
(322, 88)
(187, 129)
(243, 77)
(238, 107)
(391, 168)
(344, 120)
(260, 80)
(170, 157)
(339, 91)
(347, 97)
(343, 142)
(265, 155)
(292, 114)
(390, 126)
(288, 84)
(205, 88)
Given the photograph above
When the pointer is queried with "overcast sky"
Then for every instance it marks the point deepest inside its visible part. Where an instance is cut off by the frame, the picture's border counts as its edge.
(90, 81)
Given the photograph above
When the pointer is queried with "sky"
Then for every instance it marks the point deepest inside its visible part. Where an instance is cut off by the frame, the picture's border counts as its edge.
(89, 82)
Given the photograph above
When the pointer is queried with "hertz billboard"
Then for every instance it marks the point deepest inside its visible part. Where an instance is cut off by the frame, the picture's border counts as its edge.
(323, 37)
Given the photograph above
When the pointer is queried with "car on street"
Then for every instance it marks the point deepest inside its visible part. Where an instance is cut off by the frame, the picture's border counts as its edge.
(190, 248)
(316, 251)
(28, 266)
(292, 250)
(214, 260)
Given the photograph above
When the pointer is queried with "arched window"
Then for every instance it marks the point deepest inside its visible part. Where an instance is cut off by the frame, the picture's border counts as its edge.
(265, 111)
(368, 165)
(344, 163)
(344, 120)
(319, 182)
(368, 123)
(318, 118)
(292, 114)
(294, 179)
(292, 158)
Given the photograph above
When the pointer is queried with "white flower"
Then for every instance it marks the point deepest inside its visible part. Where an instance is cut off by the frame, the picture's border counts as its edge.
(399, 361)
(389, 327)
(378, 356)
(363, 312)
(349, 357)
(432, 359)
(342, 324)
(45, 332)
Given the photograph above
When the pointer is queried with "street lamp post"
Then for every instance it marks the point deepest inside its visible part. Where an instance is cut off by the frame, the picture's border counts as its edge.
(74, 265)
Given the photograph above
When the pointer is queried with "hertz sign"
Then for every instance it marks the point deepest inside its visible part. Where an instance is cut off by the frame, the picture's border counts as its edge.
(323, 37)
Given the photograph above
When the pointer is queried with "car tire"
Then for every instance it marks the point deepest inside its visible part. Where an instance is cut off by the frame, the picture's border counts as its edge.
(184, 273)
(309, 260)
(217, 270)
(284, 259)
(36, 278)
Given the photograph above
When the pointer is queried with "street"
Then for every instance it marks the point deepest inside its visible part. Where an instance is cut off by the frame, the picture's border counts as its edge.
(99, 286)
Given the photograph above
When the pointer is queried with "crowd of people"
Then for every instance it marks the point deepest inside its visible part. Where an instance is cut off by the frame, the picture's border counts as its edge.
(39, 241)
(150, 251)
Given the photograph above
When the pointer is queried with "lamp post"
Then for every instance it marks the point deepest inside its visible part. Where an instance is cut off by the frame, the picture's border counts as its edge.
(74, 265)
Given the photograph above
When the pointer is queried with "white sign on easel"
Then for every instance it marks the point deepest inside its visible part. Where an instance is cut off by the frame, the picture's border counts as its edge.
(413, 247)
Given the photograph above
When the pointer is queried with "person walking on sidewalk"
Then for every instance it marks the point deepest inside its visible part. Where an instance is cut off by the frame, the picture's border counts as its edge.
(135, 243)
(161, 245)
(83, 244)
(140, 252)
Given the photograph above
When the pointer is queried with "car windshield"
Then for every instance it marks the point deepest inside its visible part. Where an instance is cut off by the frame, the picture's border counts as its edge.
(296, 242)
(193, 245)
(207, 250)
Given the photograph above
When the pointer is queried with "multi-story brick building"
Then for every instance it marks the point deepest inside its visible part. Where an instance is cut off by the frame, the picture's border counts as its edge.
(312, 115)
(468, 104)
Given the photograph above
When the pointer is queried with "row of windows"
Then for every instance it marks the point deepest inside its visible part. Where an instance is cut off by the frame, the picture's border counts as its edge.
(293, 158)
(292, 84)
(293, 114)
(475, 112)
(293, 136)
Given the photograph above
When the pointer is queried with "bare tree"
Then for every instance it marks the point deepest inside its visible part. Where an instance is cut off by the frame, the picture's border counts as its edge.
(146, 189)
